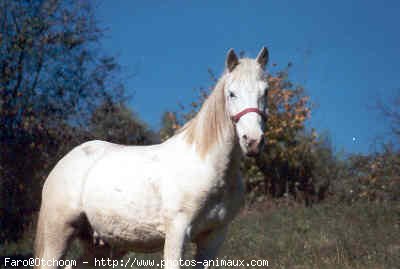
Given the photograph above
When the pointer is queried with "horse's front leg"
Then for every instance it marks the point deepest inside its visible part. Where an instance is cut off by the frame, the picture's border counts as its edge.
(175, 238)
(208, 246)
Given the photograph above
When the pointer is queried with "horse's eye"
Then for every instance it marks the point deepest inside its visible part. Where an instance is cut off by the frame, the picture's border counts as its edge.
(232, 95)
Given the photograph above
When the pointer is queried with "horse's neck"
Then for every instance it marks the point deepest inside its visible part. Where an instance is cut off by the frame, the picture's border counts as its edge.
(226, 155)
(212, 133)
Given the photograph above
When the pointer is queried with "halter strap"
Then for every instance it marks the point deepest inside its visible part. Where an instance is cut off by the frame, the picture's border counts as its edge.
(237, 117)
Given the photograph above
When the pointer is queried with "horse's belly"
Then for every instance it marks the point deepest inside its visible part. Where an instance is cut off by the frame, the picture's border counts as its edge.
(129, 233)
(125, 212)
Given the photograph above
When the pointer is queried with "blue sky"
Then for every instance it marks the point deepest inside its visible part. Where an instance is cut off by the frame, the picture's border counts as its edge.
(345, 53)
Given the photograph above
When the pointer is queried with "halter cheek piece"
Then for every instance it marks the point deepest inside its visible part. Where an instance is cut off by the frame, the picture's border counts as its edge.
(236, 118)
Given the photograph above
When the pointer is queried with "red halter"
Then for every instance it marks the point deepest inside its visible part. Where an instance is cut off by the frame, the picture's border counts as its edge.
(237, 117)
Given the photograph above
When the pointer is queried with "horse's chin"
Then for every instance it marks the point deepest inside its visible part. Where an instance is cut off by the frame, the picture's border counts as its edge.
(252, 154)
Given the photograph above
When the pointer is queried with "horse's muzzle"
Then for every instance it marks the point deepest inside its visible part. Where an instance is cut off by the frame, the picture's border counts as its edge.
(254, 147)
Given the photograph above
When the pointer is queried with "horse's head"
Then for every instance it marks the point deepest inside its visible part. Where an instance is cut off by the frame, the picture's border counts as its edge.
(246, 96)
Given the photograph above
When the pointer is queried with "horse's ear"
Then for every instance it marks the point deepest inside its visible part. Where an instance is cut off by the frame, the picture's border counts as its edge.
(262, 57)
(231, 60)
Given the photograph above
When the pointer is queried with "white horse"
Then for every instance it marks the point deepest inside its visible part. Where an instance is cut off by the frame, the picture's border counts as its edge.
(146, 198)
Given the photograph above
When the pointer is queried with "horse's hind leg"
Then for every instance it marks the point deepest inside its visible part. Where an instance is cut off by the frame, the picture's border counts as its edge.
(54, 233)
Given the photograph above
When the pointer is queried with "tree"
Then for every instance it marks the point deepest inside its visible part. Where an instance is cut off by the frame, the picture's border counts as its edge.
(285, 165)
(169, 124)
(52, 77)
(116, 123)
(391, 112)
(372, 177)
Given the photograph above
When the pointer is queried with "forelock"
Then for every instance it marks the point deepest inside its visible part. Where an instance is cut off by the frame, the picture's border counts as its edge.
(248, 69)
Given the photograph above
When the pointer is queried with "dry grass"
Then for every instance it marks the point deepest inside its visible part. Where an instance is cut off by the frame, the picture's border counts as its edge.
(325, 236)
(361, 235)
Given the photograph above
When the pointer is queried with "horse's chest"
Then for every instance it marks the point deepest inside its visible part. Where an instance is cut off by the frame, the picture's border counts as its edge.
(220, 207)
(216, 214)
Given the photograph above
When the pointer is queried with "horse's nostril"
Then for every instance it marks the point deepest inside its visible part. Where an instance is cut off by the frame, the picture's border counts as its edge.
(244, 137)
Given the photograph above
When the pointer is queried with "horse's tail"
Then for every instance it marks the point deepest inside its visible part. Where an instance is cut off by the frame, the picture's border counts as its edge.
(39, 237)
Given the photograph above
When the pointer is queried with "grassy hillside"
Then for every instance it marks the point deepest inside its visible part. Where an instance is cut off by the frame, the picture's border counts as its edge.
(324, 236)
(361, 235)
